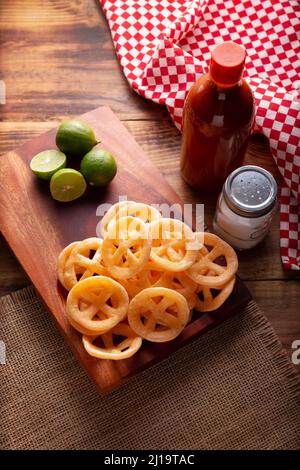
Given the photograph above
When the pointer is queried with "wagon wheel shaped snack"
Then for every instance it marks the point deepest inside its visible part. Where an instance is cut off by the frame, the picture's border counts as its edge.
(145, 212)
(110, 215)
(96, 304)
(150, 276)
(62, 260)
(84, 260)
(121, 342)
(126, 247)
(181, 283)
(192, 301)
(137, 283)
(206, 270)
(158, 314)
(173, 244)
(209, 299)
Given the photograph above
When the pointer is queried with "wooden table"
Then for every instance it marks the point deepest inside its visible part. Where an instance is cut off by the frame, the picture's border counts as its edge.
(57, 60)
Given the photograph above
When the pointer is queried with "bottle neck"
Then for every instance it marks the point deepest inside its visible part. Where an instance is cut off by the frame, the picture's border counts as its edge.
(224, 86)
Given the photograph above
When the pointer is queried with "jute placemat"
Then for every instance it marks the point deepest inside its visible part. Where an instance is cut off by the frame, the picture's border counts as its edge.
(233, 388)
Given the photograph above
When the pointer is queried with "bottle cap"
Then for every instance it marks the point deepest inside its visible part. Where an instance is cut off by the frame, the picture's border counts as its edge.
(227, 63)
(250, 191)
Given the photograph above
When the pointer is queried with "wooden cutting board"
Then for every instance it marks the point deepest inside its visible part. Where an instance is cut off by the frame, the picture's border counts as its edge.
(37, 228)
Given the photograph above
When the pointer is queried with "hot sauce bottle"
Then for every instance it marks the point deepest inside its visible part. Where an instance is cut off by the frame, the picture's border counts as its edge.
(217, 120)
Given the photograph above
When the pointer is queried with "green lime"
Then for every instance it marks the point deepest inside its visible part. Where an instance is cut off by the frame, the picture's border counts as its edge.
(98, 167)
(67, 184)
(75, 138)
(46, 163)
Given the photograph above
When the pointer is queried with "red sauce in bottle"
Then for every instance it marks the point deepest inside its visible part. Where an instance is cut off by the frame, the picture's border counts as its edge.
(217, 120)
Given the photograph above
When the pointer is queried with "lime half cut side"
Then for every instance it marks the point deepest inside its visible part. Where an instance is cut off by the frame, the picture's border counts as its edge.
(46, 163)
(67, 185)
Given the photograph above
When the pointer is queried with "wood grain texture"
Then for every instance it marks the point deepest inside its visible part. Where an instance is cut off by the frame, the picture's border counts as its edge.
(57, 60)
(37, 228)
(281, 301)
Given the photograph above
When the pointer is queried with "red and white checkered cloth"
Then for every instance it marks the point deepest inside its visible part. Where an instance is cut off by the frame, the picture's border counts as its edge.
(165, 45)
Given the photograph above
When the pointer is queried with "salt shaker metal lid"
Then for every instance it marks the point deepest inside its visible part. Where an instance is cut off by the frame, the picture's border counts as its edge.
(250, 191)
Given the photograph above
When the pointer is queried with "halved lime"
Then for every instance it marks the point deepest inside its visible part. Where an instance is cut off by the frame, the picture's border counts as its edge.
(46, 163)
(67, 185)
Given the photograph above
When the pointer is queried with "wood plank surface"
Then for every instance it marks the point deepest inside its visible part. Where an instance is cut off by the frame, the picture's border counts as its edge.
(57, 60)
(33, 223)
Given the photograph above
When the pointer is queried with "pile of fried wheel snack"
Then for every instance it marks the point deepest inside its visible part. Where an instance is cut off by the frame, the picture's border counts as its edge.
(143, 280)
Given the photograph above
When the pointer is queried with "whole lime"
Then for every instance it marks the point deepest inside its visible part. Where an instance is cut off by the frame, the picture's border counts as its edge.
(75, 138)
(98, 167)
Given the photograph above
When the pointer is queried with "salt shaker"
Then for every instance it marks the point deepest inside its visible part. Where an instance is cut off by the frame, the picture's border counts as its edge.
(245, 207)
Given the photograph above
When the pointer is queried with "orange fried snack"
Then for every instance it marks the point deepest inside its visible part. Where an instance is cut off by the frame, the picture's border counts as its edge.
(111, 215)
(158, 314)
(209, 299)
(143, 211)
(126, 247)
(172, 242)
(96, 304)
(62, 261)
(143, 280)
(85, 260)
(118, 343)
(207, 263)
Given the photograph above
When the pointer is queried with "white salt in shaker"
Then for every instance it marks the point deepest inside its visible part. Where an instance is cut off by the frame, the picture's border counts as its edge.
(245, 207)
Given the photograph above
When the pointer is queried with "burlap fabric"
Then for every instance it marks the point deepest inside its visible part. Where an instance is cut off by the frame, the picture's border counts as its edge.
(233, 388)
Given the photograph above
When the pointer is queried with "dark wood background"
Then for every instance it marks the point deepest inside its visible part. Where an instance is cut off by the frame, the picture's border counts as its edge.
(57, 60)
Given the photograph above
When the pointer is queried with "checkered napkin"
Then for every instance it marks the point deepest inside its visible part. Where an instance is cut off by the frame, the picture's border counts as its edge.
(165, 45)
